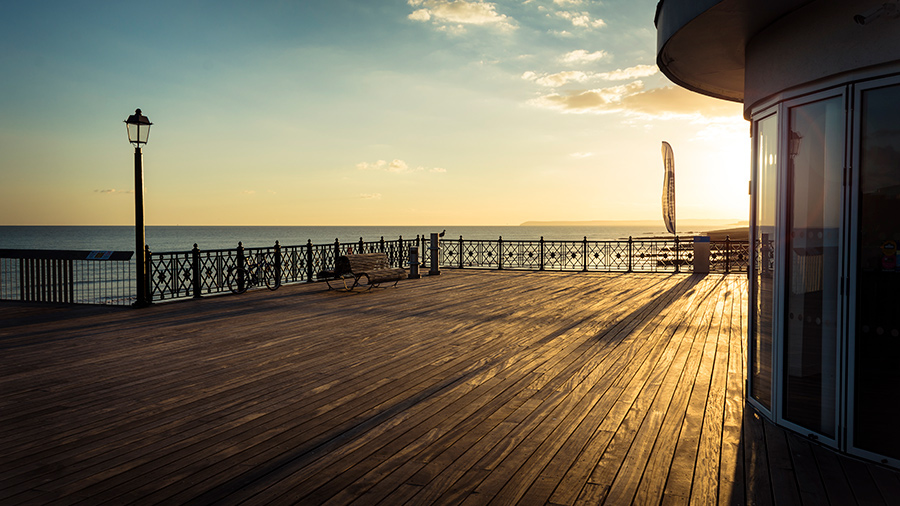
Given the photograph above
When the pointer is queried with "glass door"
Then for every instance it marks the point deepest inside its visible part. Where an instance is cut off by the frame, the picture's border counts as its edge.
(811, 319)
(874, 358)
(763, 280)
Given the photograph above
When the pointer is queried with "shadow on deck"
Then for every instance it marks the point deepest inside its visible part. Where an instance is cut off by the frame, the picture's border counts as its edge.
(468, 388)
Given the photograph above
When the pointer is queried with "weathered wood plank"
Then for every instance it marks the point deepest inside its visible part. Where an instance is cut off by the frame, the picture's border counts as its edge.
(781, 467)
(681, 371)
(809, 481)
(473, 387)
(590, 464)
(731, 467)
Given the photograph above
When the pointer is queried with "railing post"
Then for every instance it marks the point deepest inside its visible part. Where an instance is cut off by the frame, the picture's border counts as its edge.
(677, 262)
(240, 265)
(195, 271)
(727, 254)
(542, 253)
(435, 264)
(277, 264)
(70, 284)
(337, 250)
(630, 252)
(423, 256)
(461, 252)
(148, 276)
(414, 261)
(399, 253)
(584, 254)
(309, 261)
(500, 253)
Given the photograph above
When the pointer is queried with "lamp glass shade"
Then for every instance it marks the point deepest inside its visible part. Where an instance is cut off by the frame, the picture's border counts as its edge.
(794, 144)
(138, 127)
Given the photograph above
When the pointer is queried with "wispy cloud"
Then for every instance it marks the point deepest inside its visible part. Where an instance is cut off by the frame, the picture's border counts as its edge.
(599, 100)
(669, 102)
(454, 15)
(581, 155)
(558, 79)
(370, 196)
(581, 19)
(562, 78)
(113, 190)
(629, 73)
(676, 102)
(579, 56)
(396, 166)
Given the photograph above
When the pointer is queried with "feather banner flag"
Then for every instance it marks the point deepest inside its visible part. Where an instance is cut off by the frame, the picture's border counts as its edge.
(668, 196)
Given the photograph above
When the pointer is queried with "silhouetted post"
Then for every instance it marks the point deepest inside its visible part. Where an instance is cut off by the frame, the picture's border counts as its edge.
(677, 262)
(239, 259)
(435, 250)
(413, 262)
(500, 253)
(148, 264)
(423, 259)
(309, 261)
(195, 270)
(584, 254)
(541, 258)
(277, 264)
(630, 250)
(727, 254)
(138, 127)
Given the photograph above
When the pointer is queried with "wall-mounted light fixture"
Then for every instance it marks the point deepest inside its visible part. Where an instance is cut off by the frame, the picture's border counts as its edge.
(888, 10)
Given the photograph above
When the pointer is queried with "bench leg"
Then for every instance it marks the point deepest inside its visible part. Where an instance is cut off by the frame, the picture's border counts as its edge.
(343, 282)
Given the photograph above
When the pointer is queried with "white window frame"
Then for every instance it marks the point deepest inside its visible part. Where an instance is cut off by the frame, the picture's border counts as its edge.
(852, 291)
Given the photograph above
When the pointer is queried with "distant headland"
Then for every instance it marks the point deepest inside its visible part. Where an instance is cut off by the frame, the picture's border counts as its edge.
(633, 223)
(717, 230)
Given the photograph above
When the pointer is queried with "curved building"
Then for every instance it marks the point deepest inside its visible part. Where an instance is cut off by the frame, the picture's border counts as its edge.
(820, 84)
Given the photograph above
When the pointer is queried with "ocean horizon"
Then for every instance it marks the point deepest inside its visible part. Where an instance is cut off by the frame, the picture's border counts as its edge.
(182, 238)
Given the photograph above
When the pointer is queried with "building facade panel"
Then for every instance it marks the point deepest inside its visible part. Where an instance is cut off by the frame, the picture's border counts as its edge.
(822, 89)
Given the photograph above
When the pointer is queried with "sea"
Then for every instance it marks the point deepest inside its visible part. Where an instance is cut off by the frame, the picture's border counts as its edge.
(182, 238)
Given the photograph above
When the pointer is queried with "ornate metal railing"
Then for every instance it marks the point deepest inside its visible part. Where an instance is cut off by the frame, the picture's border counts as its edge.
(632, 255)
(75, 277)
(729, 256)
(83, 278)
(195, 273)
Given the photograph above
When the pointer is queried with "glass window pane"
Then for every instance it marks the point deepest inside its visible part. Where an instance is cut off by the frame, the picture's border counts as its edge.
(812, 278)
(764, 261)
(877, 337)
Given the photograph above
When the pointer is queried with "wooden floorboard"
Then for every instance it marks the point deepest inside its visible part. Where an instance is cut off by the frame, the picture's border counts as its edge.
(473, 387)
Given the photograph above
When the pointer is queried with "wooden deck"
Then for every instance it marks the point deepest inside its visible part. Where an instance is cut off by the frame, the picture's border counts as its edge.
(467, 388)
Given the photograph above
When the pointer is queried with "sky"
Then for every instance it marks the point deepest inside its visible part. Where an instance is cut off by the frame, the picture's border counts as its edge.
(345, 112)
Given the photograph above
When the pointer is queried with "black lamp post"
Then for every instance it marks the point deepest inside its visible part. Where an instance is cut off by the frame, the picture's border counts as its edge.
(138, 127)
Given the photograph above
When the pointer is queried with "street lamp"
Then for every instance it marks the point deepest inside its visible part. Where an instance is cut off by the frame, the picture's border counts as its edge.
(138, 127)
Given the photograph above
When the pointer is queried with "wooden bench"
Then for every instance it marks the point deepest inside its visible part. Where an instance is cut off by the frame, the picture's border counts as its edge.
(373, 266)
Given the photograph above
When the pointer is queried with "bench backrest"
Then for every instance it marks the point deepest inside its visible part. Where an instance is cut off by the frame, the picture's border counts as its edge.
(366, 262)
